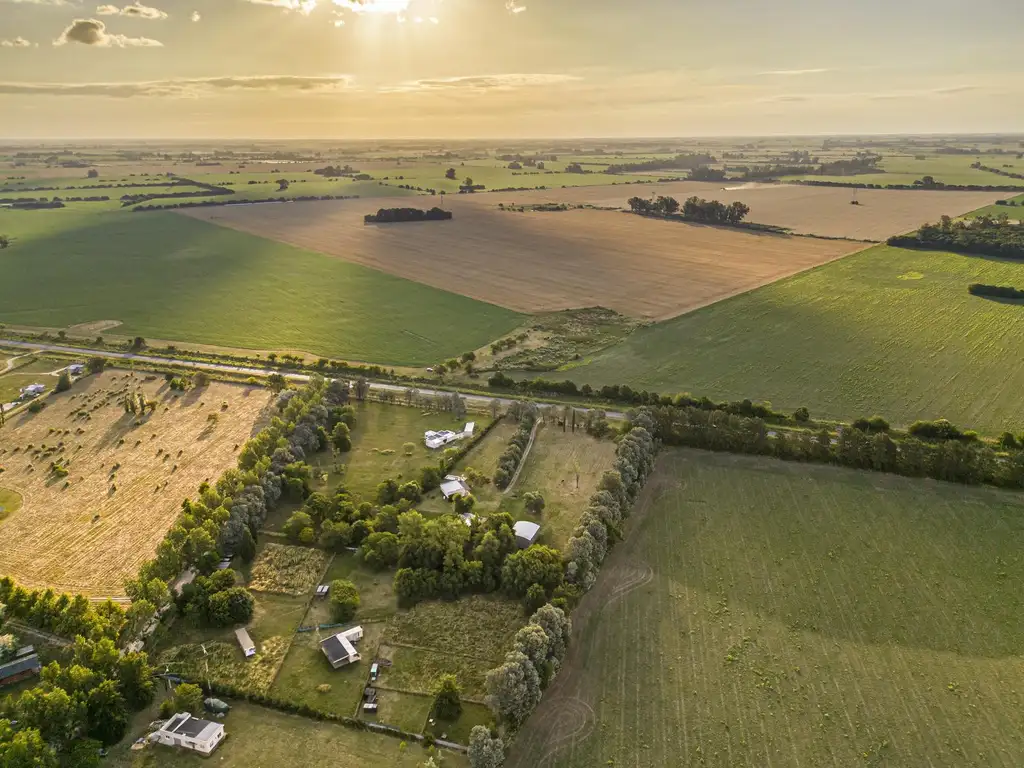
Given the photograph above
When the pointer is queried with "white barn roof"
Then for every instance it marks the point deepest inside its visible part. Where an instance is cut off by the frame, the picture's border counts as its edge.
(526, 532)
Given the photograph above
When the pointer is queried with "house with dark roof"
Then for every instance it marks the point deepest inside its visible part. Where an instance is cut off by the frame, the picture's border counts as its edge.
(24, 664)
(340, 649)
(189, 732)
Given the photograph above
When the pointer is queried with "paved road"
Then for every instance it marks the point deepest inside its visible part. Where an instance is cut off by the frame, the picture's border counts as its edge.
(249, 371)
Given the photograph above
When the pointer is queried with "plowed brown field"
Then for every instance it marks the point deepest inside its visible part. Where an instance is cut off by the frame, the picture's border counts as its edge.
(538, 262)
(88, 536)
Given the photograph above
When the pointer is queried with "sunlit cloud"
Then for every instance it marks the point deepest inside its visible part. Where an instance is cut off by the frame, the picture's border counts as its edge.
(94, 32)
(505, 82)
(513, 7)
(792, 72)
(195, 16)
(305, 7)
(192, 87)
(18, 42)
(136, 10)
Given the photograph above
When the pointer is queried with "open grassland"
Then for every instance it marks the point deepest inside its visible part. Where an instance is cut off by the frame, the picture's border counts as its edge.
(173, 277)
(1013, 211)
(379, 441)
(263, 738)
(565, 467)
(287, 570)
(533, 262)
(887, 331)
(823, 211)
(765, 614)
(125, 475)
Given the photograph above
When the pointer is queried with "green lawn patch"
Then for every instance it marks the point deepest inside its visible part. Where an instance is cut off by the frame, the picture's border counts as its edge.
(401, 710)
(415, 670)
(472, 715)
(10, 502)
(851, 338)
(376, 594)
(774, 614)
(170, 276)
(475, 626)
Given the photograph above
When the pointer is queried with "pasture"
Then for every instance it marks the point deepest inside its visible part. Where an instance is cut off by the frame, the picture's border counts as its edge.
(534, 262)
(101, 487)
(886, 331)
(823, 211)
(172, 277)
(762, 613)
(262, 738)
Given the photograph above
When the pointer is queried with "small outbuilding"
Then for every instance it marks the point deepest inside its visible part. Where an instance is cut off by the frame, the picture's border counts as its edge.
(438, 439)
(189, 732)
(453, 486)
(32, 390)
(246, 643)
(340, 649)
(76, 369)
(25, 664)
(526, 533)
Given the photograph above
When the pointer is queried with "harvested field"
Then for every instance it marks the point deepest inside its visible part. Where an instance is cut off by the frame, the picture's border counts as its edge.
(537, 262)
(101, 487)
(761, 613)
(823, 211)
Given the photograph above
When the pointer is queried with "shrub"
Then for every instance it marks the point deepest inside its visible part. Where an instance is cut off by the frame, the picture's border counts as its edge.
(344, 600)
(447, 698)
(63, 382)
(801, 415)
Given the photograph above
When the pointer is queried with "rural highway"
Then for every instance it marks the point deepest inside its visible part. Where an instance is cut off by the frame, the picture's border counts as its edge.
(248, 371)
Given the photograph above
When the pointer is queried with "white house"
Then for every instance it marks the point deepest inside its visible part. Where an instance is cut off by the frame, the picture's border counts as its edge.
(189, 732)
(33, 390)
(435, 440)
(76, 369)
(453, 486)
(526, 533)
(246, 643)
(340, 649)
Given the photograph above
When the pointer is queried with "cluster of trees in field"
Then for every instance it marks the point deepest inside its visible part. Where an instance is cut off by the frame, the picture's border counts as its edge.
(396, 215)
(21, 201)
(243, 201)
(927, 182)
(935, 449)
(693, 209)
(512, 456)
(27, 204)
(77, 708)
(679, 162)
(984, 235)
(333, 171)
(996, 291)
(216, 600)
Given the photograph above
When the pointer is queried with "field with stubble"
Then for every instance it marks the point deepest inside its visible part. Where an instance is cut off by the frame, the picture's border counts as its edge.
(100, 487)
(761, 613)
(539, 262)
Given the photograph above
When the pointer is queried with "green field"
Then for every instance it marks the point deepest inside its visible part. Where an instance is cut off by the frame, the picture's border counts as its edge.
(769, 614)
(173, 277)
(886, 331)
(1013, 211)
(949, 169)
(263, 738)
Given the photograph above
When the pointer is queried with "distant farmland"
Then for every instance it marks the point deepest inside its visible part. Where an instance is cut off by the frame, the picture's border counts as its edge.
(87, 530)
(534, 262)
(886, 331)
(766, 614)
(167, 276)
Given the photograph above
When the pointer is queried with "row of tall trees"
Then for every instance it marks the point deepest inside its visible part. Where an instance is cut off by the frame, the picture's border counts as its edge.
(984, 235)
(693, 209)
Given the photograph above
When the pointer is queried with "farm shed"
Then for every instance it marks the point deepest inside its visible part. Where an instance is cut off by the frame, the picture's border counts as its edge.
(76, 369)
(453, 486)
(189, 732)
(526, 533)
(340, 649)
(24, 664)
(33, 390)
(434, 440)
(246, 643)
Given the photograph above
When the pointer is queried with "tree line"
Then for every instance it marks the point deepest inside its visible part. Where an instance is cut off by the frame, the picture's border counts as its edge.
(984, 235)
(243, 201)
(693, 209)
(396, 215)
(679, 162)
(512, 456)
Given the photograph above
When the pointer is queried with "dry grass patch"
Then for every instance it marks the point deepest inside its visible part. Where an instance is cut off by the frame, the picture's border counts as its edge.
(538, 262)
(287, 570)
(227, 664)
(476, 626)
(101, 487)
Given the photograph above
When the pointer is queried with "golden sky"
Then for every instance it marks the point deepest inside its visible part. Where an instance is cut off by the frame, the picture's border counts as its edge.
(507, 68)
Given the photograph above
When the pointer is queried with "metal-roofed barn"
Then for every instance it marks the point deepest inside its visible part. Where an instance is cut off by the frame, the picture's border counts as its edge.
(526, 533)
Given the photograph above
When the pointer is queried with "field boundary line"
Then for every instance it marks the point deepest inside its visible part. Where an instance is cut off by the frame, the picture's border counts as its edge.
(522, 461)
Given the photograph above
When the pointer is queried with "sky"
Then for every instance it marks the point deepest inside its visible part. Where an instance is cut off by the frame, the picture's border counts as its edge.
(449, 69)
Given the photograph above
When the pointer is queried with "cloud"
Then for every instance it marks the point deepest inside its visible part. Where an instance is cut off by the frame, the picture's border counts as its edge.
(792, 72)
(195, 87)
(94, 32)
(18, 42)
(305, 7)
(195, 16)
(137, 10)
(513, 7)
(505, 82)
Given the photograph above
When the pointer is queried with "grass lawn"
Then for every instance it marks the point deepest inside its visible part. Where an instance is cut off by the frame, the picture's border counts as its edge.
(378, 441)
(263, 738)
(407, 711)
(565, 467)
(376, 596)
(174, 277)
(11, 384)
(459, 730)
(475, 626)
(415, 670)
(762, 613)
(885, 331)
(305, 668)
